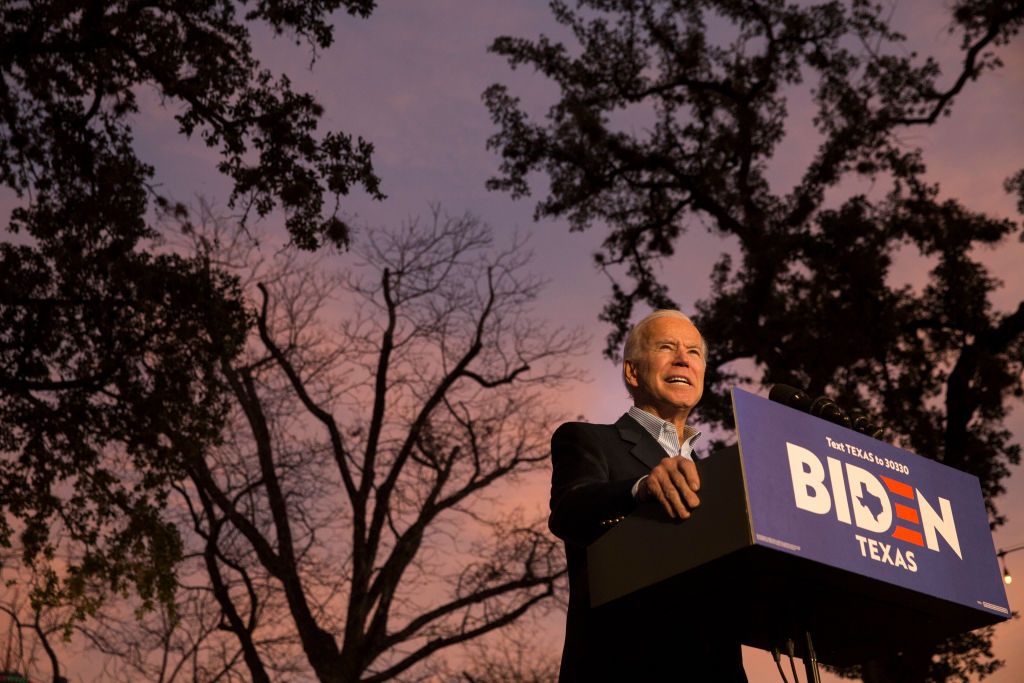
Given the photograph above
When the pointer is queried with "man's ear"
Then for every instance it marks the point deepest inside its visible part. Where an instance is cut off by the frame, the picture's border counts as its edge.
(630, 371)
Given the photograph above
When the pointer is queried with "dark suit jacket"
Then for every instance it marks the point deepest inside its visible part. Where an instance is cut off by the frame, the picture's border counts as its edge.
(648, 636)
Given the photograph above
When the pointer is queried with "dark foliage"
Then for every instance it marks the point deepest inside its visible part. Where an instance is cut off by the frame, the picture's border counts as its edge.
(108, 345)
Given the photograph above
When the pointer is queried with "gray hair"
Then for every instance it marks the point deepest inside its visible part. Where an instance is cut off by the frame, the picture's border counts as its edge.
(634, 339)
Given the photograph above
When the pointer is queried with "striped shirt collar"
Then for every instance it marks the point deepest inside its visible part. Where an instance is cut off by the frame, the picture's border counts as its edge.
(664, 432)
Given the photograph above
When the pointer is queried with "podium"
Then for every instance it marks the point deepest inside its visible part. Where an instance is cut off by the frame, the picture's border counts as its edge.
(806, 526)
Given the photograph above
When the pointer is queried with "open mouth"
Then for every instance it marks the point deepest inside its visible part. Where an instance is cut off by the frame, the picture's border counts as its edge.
(679, 380)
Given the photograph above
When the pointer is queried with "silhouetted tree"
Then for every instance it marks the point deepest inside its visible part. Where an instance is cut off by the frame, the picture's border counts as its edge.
(109, 348)
(361, 515)
(31, 632)
(659, 127)
(517, 656)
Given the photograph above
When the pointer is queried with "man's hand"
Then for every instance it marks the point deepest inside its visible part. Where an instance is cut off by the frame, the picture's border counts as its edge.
(674, 483)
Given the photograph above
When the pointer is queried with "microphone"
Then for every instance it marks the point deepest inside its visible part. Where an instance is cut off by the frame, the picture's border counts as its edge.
(791, 396)
(823, 407)
(827, 409)
(862, 423)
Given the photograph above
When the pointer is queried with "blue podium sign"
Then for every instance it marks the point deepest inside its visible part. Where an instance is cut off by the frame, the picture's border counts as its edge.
(807, 527)
(837, 497)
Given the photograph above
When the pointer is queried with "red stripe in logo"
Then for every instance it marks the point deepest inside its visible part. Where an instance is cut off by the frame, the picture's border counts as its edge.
(904, 534)
(899, 488)
(906, 513)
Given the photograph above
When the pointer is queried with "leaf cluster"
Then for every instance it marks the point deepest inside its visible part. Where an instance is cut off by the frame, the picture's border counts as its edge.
(109, 343)
(713, 117)
(71, 78)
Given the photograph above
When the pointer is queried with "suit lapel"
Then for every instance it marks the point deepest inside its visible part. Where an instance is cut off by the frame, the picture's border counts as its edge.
(643, 446)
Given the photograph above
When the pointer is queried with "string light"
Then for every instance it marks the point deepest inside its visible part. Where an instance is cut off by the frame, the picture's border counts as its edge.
(1007, 579)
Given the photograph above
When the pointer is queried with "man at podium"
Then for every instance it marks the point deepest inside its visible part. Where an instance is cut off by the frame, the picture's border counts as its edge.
(600, 474)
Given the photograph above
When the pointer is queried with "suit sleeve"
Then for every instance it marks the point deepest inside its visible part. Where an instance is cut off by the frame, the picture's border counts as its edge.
(582, 494)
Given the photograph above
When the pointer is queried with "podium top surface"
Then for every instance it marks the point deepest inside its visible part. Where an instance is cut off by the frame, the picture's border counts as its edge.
(828, 494)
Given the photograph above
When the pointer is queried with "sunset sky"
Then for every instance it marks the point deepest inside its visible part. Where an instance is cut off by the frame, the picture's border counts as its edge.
(409, 80)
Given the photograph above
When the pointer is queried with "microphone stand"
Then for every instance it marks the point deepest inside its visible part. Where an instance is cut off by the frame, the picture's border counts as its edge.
(811, 662)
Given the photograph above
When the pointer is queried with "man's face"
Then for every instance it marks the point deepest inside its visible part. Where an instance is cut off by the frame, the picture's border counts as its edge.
(669, 373)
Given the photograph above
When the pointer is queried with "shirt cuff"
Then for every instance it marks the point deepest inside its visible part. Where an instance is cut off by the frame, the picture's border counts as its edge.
(636, 486)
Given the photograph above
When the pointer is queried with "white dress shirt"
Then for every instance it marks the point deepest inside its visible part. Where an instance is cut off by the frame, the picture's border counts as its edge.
(665, 433)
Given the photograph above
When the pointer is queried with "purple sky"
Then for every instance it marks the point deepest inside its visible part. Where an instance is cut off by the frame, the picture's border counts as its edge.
(409, 79)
